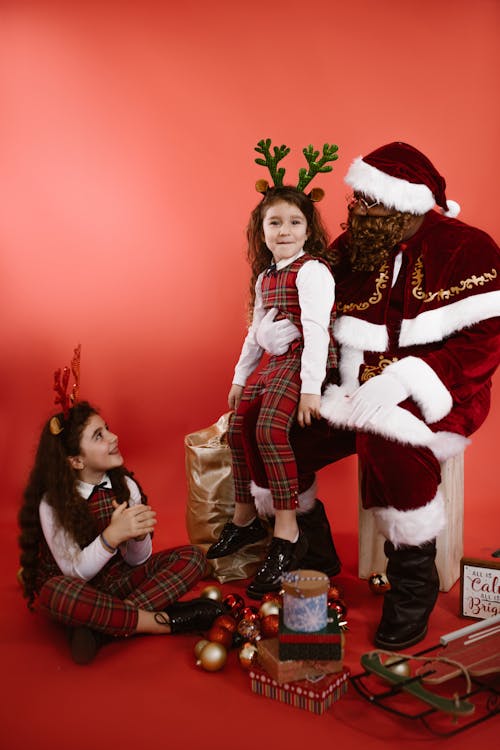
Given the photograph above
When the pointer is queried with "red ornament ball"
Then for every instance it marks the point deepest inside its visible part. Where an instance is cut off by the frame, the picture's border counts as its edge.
(216, 634)
(235, 603)
(378, 583)
(338, 606)
(249, 613)
(248, 655)
(226, 621)
(335, 592)
(269, 626)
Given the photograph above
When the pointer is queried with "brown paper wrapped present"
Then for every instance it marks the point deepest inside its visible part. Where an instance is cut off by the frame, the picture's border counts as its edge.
(210, 500)
(290, 670)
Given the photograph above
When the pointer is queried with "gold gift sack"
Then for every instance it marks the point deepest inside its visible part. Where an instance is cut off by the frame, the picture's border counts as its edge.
(211, 500)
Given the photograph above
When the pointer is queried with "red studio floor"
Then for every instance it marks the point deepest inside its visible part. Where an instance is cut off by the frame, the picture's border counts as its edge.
(149, 692)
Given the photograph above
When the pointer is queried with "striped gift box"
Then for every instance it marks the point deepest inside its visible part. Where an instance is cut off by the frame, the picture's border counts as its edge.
(315, 696)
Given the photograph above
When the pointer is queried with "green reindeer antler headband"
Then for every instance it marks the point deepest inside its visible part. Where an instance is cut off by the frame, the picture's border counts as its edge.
(315, 165)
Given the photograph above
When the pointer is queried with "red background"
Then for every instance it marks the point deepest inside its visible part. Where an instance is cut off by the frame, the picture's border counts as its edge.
(127, 176)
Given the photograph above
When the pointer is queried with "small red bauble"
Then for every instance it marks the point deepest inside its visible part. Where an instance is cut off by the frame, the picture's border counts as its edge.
(269, 626)
(249, 613)
(335, 592)
(378, 583)
(226, 621)
(220, 635)
(235, 602)
(248, 655)
(338, 606)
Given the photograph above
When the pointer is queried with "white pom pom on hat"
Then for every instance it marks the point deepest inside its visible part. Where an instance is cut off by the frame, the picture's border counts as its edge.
(401, 177)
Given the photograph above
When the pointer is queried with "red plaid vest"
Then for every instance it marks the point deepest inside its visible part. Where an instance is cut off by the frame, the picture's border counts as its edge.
(101, 506)
(279, 289)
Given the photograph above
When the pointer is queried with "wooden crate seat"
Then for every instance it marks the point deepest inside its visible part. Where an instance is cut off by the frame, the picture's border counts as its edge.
(449, 542)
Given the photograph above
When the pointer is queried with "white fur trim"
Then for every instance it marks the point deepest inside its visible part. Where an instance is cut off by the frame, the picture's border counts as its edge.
(264, 500)
(448, 444)
(424, 386)
(412, 527)
(393, 192)
(454, 209)
(396, 424)
(434, 325)
(360, 334)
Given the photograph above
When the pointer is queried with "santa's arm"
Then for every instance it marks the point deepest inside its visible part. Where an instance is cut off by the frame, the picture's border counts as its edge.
(452, 373)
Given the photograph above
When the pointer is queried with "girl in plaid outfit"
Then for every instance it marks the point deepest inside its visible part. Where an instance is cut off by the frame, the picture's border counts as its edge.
(290, 279)
(86, 548)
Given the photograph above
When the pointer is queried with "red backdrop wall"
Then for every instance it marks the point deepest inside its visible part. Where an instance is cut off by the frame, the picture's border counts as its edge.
(127, 173)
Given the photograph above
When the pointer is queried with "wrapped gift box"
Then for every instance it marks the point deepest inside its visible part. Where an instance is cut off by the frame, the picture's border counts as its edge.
(315, 696)
(291, 670)
(325, 644)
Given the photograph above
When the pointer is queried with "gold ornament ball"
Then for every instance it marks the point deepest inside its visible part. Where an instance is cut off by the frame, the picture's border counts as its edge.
(269, 608)
(398, 665)
(212, 657)
(212, 592)
(199, 647)
(248, 655)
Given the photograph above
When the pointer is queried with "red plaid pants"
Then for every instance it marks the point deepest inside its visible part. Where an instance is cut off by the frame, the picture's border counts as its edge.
(98, 603)
(275, 394)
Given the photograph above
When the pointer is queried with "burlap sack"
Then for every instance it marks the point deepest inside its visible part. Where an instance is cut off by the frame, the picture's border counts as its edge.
(210, 500)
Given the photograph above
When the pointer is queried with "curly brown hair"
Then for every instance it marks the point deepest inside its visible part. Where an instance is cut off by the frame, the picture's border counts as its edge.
(53, 478)
(259, 255)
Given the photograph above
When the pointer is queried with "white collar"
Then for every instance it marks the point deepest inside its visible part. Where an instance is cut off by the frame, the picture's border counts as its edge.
(85, 488)
(287, 261)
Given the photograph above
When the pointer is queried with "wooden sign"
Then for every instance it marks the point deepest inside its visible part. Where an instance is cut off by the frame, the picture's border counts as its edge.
(479, 587)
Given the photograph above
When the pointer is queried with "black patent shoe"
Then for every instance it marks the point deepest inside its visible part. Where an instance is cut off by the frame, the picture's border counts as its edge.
(84, 644)
(282, 556)
(233, 537)
(192, 616)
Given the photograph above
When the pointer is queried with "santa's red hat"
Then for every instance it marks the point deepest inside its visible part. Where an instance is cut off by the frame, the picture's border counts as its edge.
(401, 177)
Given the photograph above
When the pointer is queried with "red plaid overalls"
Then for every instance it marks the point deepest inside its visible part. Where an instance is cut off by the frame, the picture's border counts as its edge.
(277, 392)
(98, 603)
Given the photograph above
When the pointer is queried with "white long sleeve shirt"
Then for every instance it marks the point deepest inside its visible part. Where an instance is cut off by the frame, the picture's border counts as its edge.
(87, 562)
(316, 289)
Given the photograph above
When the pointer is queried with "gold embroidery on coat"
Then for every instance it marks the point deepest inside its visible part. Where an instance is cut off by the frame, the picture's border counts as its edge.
(380, 283)
(371, 370)
(418, 277)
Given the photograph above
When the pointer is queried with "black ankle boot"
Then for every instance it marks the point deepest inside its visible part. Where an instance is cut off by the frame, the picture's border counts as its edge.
(84, 644)
(414, 580)
(233, 537)
(194, 615)
(282, 556)
(321, 553)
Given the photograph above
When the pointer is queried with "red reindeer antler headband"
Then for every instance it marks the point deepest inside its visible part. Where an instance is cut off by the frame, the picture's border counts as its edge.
(61, 388)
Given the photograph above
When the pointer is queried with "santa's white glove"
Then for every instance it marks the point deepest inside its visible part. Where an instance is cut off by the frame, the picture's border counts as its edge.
(378, 395)
(276, 336)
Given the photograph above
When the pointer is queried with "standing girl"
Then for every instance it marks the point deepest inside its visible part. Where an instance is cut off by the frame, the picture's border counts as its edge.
(86, 549)
(286, 237)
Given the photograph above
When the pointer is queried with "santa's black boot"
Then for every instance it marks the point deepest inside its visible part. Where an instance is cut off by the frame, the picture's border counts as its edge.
(321, 553)
(414, 580)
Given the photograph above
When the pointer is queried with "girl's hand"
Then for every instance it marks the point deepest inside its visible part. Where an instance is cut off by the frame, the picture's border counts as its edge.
(129, 523)
(234, 396)
(308, 408)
